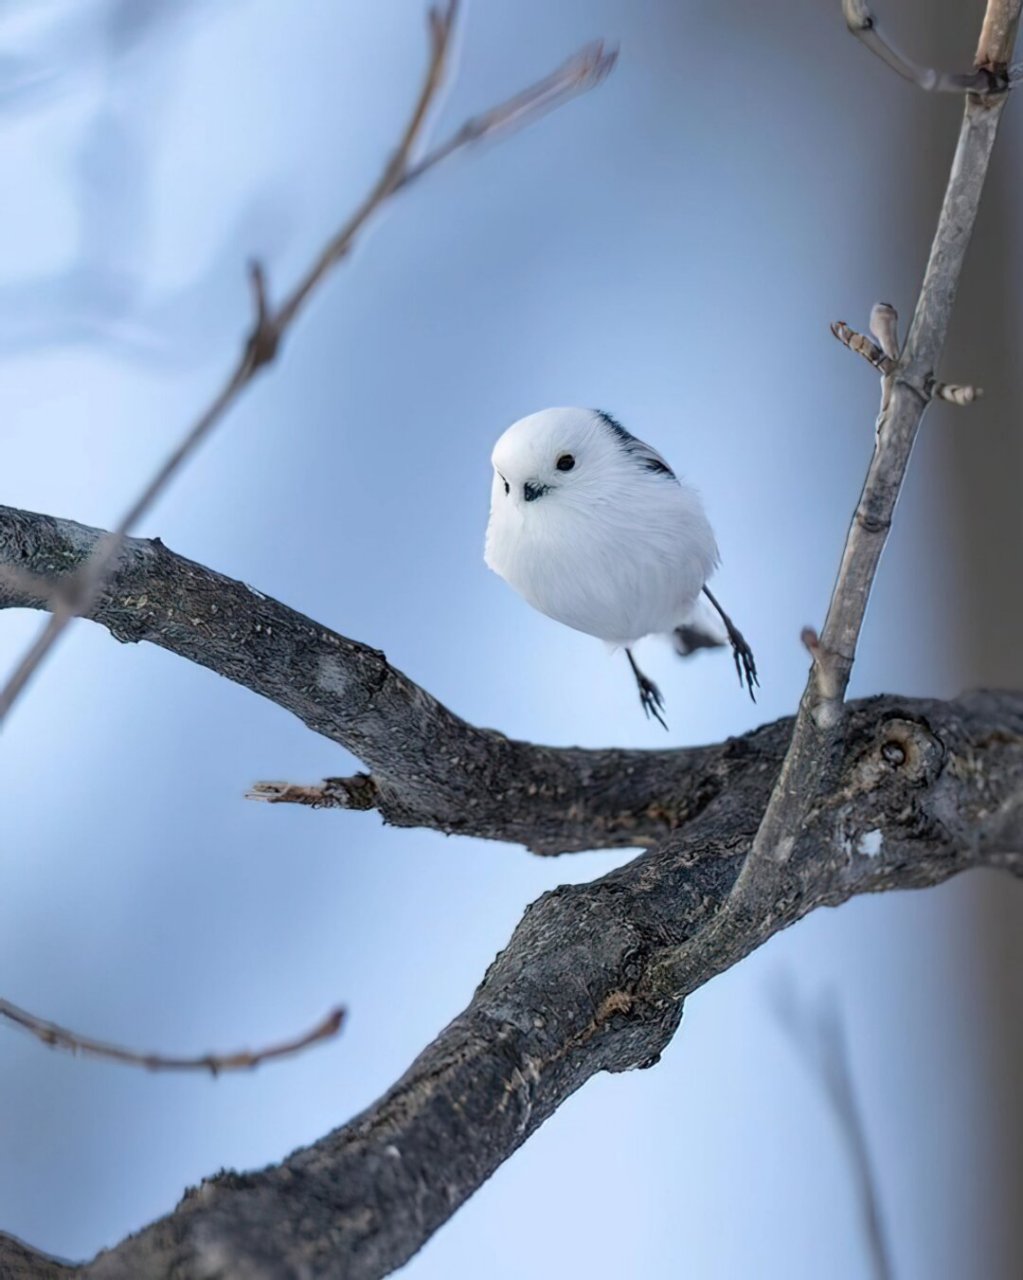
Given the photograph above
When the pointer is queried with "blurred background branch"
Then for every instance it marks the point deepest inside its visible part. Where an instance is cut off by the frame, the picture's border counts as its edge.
(819, 1036)
(129, 52)
(57, 1037)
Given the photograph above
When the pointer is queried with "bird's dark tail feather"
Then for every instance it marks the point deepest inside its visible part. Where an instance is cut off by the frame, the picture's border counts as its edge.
(688, 639)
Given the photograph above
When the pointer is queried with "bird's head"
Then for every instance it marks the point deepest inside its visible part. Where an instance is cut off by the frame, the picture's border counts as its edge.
(563, 457)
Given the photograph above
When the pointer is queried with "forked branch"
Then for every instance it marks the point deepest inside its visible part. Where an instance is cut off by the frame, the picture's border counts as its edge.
(923, 790)
(887, 364)
(271, 324)
(804, 773)
(807, 773)
(988, 76)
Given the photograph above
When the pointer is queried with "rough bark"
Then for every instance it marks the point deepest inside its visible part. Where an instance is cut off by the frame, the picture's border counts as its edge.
(19, 1261)
(919, 791)
(906, 390)
(913, 792)
(882, 794)
(429, 768)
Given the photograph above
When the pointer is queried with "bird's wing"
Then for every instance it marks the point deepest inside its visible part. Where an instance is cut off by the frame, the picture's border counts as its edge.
(645, 456)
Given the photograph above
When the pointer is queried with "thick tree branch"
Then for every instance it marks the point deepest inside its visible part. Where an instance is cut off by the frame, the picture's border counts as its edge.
(19, 1261)
(429, 768)
(922, 790)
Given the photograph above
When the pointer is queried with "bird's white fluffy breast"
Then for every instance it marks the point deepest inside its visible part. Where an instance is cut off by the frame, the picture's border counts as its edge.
(619, 552)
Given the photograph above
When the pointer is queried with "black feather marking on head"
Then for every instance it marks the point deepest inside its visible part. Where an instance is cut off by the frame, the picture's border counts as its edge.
(649, 459)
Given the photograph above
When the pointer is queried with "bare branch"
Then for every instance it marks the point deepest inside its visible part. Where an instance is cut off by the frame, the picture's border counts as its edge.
(997, 36)
(807, 771)
(58, 1037)
(953, 393)
(820, 711)
(585, 70)
(987, 79)
(884, 325)
(886, 363)
(918, 791)
(441, 23)
(824, 670)
(922, 791)
(429, 768)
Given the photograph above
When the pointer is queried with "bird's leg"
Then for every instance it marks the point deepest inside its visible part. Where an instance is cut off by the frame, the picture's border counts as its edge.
(649, 694)
(745, 663)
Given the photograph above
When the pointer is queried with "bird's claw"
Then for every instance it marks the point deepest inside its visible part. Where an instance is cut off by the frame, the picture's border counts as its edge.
(651, 700)
(745, 663)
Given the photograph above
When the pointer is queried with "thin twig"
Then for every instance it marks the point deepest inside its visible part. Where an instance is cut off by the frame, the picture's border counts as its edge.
(581, 72)
(860, 20)
(953, 393)
(819, 1034)
(884, 325)
(887, 365)
(357, 792)
(820, 710)
(58, 1037)
(746, 918)
(269, 326)
(997, 36)
(821, 707)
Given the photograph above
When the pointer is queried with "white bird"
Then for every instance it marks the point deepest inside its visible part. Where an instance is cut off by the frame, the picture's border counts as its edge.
(593, 528)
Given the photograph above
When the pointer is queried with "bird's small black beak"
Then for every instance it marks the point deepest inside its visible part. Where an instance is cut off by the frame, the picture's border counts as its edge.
(531, 490)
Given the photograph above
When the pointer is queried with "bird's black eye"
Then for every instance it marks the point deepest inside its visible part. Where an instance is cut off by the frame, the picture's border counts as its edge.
(507, 486)
(565, 463)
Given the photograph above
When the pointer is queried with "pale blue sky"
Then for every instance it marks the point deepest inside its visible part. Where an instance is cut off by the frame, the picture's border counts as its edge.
(670, 248)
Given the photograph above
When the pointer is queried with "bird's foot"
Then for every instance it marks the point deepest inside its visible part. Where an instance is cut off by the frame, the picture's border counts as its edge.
(650, 699)
(649, 695)
(745, 663)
